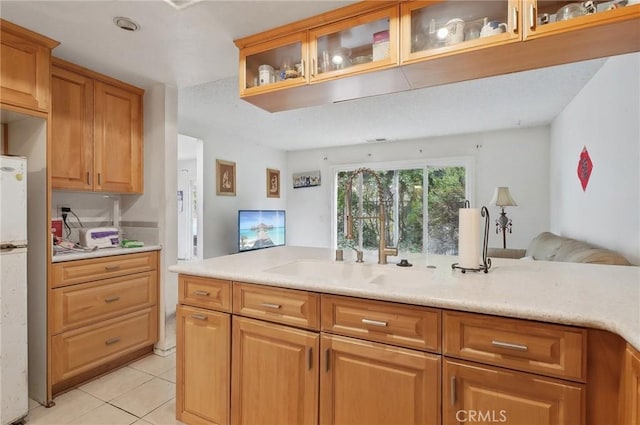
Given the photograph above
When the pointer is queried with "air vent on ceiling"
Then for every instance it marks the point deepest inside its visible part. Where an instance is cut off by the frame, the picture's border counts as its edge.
(181, 4)
(126, 24)
(377, 140)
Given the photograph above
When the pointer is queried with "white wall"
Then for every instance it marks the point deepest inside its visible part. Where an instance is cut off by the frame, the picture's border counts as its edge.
(604, 117)
(221, 212)
(514, 158)
(159, 202)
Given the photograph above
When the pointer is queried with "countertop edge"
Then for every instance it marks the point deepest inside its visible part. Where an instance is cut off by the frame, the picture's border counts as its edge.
(105, 252)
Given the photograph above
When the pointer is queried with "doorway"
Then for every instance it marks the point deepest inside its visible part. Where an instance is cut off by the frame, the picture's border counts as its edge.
(190, 202)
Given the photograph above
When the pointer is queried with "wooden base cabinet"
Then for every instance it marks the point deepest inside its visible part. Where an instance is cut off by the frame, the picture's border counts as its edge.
(203, 365)
(631, 410)
(474, 393)
(274, 374)
(365, 382)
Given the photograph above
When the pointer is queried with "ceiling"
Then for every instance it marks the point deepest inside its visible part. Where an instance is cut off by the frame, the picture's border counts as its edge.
(193, 49)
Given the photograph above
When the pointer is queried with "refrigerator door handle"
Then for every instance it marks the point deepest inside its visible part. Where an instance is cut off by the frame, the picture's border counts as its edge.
(11, 247)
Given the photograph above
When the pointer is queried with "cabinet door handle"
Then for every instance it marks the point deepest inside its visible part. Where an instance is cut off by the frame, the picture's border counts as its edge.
(313, 67)
(302, 68)
(199, 316)
(88, 178)
(112, 341)
(518, 347)
(375, 323)
(453, 390)
(309, 358)
(111, 268)
(532, 16)
(515, 20)
(99, 179)
(327, 356)
(201, 293)
(112, 299)
(270, 305)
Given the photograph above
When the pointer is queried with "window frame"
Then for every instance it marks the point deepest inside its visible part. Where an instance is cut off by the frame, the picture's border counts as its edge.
(454, 161)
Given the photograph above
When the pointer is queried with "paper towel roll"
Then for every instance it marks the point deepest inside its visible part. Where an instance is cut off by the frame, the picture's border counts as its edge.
(469, 238)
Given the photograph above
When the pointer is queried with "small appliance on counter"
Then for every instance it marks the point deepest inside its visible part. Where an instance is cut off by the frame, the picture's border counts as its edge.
(101, 237)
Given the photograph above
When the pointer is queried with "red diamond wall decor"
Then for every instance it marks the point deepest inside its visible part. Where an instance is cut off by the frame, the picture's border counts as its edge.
(584, 168)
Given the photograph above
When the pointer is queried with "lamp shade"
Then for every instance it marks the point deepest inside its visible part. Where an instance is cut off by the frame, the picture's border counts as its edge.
(502, 198)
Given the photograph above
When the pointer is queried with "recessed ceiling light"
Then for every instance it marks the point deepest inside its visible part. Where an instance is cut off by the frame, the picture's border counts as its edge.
(126, 24)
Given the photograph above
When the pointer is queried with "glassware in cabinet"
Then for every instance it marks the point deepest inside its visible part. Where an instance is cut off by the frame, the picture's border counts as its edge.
(355, 45)
(436, 28)
(547, 17)
(274, 64)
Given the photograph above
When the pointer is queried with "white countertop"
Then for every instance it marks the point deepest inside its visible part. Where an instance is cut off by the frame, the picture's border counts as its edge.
(104, 252)
(597, 296)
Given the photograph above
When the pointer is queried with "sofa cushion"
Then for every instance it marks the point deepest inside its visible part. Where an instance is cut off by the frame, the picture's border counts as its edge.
(544, 246)
(596, 256)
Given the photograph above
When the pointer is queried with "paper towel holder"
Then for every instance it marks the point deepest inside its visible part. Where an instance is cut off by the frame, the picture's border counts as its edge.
(486, 262)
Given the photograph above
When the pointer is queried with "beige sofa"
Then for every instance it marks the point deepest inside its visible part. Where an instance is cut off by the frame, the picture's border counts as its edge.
(550, 247)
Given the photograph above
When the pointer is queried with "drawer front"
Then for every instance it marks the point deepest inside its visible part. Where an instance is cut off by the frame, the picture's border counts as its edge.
(80, 350)
(83, 304)
(518, 344)
(210, 293)
(80, 271)
(391, 323)
(288, 306)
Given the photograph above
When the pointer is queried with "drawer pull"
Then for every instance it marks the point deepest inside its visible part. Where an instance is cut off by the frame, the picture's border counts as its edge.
(374, 323)
(199, 316)
(519, 347)
(112, 299)
(111, 268)
(201, 293)
(309, 358)
(269, 305)
(327, 356)
(453, 390)
(112, 341)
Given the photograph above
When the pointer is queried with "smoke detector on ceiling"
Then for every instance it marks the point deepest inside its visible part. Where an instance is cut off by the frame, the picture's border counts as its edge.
(126, 24)
(181, 4)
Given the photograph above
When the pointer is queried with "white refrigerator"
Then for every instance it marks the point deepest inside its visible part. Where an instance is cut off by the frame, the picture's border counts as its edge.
(14, 399)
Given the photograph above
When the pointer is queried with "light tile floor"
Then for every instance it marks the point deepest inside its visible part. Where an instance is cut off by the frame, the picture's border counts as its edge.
(141, 393)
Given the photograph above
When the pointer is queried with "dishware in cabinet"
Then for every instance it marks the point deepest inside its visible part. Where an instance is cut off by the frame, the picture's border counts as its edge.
(544, 17)
(274, 64)
(353, 46)
(433, 29)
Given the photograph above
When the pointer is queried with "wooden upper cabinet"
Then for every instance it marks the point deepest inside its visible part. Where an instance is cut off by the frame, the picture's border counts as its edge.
(25, 67)
(71, 130)
(434, 29)
(117, 132)
(274, 65)
(546, 17)
(361, 44)
(96, 131)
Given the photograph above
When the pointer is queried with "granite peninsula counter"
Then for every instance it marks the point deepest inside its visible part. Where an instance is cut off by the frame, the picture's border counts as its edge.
(595, 296)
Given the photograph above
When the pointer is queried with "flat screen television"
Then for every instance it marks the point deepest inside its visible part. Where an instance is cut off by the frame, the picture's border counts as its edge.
(259, 229)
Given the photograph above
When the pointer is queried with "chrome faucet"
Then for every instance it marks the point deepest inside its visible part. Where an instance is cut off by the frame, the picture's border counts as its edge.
(383, 250)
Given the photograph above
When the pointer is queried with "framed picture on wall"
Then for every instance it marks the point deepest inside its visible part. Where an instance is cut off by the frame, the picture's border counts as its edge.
(225, 178)
(306, 179)
(273, 183)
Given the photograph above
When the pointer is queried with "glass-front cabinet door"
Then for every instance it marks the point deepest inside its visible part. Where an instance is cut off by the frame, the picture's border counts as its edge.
(546, 17)
(355, 45)
(273, 65)
(434, 28)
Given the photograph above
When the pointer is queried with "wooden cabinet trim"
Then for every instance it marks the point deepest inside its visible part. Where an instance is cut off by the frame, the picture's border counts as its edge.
(531, 396)
(28, 34)
(83, 349)
(209, 293)
(286, 306)
(78, 305)
(79, 271)
(553, 350)
(61, 63)
(405, 325)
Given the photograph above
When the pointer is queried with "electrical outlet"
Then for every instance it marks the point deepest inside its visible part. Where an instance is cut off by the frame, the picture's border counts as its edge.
(60, 207)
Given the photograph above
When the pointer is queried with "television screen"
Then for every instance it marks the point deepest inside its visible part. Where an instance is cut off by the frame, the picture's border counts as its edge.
(260, 229)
